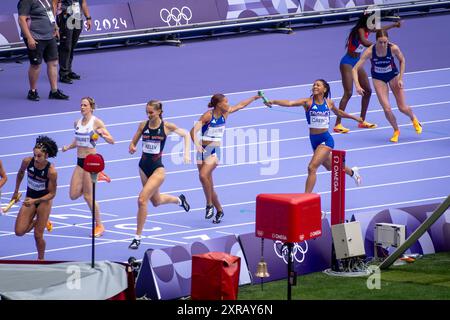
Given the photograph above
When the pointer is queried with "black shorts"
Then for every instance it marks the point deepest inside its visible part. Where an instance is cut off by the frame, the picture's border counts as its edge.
(148, 165)
(47, 49)
(80, 162)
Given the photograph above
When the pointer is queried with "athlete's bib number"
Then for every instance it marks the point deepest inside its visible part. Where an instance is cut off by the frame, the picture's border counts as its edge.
(386, 69)
(152, 146)
(83, 141)
(360, 48)
(36, 185)
(215, 132)
(319, 122)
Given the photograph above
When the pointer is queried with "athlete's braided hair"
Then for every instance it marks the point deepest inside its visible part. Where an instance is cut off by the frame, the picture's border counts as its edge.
(47, 145)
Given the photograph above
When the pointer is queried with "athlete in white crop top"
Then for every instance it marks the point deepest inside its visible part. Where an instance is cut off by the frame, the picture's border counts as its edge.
(87, 131)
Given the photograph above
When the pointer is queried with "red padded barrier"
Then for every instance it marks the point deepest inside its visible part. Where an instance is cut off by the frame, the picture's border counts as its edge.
(289, 217)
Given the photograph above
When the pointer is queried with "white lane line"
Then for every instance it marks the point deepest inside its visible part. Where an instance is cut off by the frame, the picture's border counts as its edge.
(47, 251)
(90, 212)
(439, 103)
(277, 159)
(170, 224)
(228, 146)
(200, 97)
(182, 116)
(222, 227)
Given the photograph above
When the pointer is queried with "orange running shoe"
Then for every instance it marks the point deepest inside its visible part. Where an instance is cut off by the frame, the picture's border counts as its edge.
(395, 136)
(103, 177)
(340, 129)
(367, 125)
(49, 226)
(99, 230)
(417, 126)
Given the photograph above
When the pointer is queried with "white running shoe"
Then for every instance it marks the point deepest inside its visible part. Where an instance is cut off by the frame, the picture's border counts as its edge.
(356, 176)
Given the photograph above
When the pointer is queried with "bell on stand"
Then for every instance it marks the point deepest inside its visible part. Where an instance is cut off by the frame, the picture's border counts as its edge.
(261, 271)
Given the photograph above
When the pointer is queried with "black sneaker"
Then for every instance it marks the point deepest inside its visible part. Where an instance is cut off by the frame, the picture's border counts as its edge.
(58, 94)
(74, 76)
(65, 79)
(134, 244)
(209, 212)
(184, 203)
(33, 95)
(218, 217)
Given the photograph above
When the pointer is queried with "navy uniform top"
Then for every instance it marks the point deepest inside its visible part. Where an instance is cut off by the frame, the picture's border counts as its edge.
(37, 180)
(153, 141)
(383, 65)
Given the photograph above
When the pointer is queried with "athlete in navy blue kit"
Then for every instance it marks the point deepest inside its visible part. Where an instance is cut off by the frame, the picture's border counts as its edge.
(384, 75)
(154, 133)
(41, 189)
(212, 126)
(317, 108)
(357, 42)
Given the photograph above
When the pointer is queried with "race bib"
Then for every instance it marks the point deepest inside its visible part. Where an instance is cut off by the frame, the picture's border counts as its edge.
(360, 48)
(36, 185)
(215, 132)
(152, 146)
(84, 141)
(319, 122)
(385, 69)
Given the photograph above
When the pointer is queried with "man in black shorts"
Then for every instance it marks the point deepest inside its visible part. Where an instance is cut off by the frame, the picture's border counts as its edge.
(39, 31)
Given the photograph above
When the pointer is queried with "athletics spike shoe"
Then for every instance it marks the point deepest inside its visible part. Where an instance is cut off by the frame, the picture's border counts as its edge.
(103, 177)
(417, 126)
(218, 217)
(99, 230)
(49, 226)
(134, 244)
(340, 129)
(367, 125)
(395, 136)
(184, 203)
(209, 211)
(356, 176)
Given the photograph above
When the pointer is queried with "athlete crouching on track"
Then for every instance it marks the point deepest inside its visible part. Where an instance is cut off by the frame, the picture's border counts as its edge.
(41, 190)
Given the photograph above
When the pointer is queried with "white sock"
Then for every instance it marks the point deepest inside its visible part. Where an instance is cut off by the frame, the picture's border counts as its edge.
(179, 202)
(138, 237)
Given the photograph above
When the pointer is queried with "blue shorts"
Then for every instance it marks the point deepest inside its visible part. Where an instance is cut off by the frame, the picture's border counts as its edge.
(322, 138)
(209, 151)
(386, 77)
(347, 59)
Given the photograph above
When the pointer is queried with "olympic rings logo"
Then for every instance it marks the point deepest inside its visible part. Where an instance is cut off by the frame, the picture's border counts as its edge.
(298, 252)
(176, 17)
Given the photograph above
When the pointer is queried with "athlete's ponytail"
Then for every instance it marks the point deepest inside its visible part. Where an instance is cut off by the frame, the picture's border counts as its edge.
(157, 105)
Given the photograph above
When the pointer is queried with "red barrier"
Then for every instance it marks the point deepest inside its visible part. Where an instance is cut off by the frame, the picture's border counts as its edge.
(215, 276)
(338, 187)
(290, 217)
